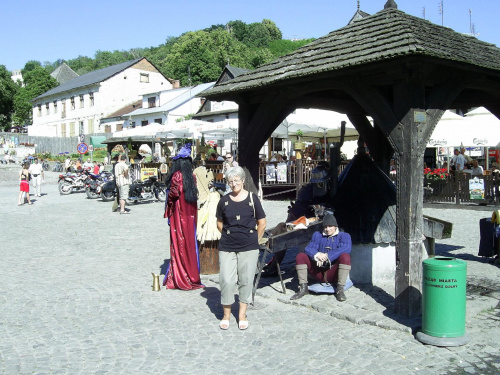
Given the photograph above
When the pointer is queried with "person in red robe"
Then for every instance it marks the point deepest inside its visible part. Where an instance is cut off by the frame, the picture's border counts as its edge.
(182, 211)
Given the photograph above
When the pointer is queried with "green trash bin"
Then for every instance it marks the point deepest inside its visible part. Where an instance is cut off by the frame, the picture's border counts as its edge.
(443, 302)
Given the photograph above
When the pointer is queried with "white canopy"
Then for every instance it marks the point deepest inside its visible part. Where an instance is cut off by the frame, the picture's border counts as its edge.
(479, 128)
(226, 129)
(320, 123)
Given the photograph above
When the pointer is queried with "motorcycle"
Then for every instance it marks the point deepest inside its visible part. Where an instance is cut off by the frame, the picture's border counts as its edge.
(150, 189)
(94, 183)
(72, 182)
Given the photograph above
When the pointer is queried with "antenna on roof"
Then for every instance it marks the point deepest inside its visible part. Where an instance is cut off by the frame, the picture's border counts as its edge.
(423, 12)
(472, 26)
(441, 11)
(358, 4)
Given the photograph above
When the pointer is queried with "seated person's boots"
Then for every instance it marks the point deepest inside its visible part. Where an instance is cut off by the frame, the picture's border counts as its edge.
(342, 278)
(302, 276)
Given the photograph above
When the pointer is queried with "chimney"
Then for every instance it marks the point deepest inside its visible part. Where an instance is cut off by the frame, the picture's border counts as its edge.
(176, 83)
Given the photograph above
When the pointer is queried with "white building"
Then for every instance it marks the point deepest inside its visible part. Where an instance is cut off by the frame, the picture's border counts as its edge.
(17, 75)
(78, 105)
(166, 107)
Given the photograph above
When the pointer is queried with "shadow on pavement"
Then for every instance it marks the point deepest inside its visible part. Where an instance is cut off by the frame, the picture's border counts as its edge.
(164, 266)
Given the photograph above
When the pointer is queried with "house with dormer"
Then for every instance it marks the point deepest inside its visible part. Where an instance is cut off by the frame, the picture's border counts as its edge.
(77, 106)
(214, 111)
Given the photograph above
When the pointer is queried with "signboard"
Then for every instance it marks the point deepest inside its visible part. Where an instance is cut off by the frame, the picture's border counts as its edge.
(82, 138)
(82, 148)
(419, 116)
(148, 172)
(91, 148)
(270, 173)
(163, 168)
(476, 188)
(281, 172)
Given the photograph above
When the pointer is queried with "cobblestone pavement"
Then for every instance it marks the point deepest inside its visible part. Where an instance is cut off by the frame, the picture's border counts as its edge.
(76, 298)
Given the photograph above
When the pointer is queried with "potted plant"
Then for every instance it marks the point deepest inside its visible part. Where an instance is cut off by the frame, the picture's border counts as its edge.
(298, 145)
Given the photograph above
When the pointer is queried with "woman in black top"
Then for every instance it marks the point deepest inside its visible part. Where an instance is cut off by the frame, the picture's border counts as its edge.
(241, 221)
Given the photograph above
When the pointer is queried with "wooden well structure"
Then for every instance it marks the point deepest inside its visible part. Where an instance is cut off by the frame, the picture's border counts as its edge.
(401, 70)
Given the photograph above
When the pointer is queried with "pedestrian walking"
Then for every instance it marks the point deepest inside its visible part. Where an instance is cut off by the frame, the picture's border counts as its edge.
(241, 221)
(36, 171)
(122, 182)
(24, 186)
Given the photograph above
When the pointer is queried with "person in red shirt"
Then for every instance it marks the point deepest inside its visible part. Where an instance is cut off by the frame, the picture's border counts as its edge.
(96, 168)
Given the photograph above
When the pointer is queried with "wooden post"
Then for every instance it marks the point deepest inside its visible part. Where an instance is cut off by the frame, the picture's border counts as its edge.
(298, 164)
(409, 215)
(457, 187)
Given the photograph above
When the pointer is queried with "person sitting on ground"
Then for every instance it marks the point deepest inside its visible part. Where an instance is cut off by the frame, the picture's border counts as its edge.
(326, 258)
(477, 170)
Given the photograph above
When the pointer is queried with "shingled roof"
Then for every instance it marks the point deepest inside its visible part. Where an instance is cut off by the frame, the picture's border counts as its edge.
(63, 73)
(385, 35)
(89, 78)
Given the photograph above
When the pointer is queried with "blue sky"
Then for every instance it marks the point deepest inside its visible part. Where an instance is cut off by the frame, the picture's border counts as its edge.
(52, 29)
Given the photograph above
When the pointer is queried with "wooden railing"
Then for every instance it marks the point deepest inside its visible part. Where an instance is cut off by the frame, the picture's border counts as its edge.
(455, 189)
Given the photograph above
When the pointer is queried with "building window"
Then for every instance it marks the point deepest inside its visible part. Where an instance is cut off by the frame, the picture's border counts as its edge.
(107, 129)
(119, 127)
(158, 120)
(47, 110)
(91, 126)
(81, 101)
(132, 124)
(39, 110)
(91, 97)
(55, 106)
(152, 102)
(72, 102)
(144, 123)
(63, 109)
(144, 78)
(63, 130)
(72, 129)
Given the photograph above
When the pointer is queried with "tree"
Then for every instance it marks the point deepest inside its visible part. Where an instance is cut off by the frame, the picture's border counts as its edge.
(261, 56)
(29, 66)
(257, 35)
(283, 47)
(238, 29)
(274, 31)
(36, 82)
(8, 89)
(199, 57)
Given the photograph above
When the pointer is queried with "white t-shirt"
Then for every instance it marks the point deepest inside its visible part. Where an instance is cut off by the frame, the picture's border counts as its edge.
(120, 169)
(35, 169)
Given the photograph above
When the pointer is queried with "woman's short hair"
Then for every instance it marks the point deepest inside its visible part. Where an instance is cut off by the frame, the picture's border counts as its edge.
(235, 172)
